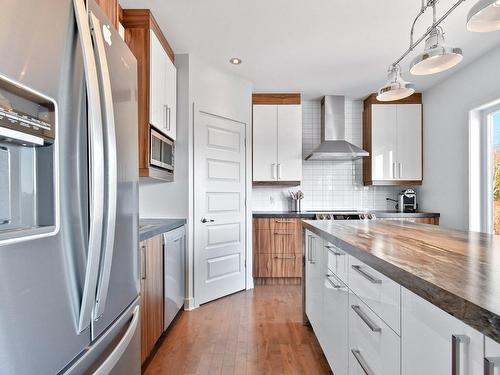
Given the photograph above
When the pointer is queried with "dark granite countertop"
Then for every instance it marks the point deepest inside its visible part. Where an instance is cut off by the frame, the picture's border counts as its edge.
(152, 227)
(459, 272)
(310, 214)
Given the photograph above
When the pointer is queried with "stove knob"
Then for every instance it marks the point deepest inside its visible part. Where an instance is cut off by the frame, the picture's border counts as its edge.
(322, 217)
(370, 217)
(362, 216)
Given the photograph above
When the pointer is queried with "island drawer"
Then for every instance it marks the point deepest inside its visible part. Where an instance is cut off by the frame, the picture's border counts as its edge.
(274, 265)
(374, 348)
(380, 293)
(277, 241)
(337, 261)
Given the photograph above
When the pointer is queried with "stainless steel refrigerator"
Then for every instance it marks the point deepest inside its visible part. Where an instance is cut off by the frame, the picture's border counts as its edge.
(69, 284)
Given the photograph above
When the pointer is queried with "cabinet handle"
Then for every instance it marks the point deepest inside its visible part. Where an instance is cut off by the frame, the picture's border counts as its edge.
(283, 221)
(273, 171)
(284, 234)
(279, 171)
(366, 319)
(489, 365)
(362, 362)
(394, 170)
(165, 107)
(400, 170)
(366, 275)
(143, 262)
(334, 250)
(284, 257)
(456, 340)
(335, 286)
(169, 119)
(309, 250)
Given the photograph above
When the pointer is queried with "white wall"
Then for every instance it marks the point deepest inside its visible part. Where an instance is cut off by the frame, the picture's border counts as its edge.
(328, 184)
(446, 120)
(217, 92)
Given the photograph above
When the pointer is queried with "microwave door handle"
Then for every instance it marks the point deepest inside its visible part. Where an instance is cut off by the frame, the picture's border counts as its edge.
(112, 175)
(96, 161)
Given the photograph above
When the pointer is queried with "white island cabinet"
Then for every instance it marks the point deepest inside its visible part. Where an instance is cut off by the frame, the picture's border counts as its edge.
(368, 324)
(436, 343)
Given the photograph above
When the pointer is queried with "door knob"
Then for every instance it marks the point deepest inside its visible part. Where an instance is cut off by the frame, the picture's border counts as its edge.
(205, 220)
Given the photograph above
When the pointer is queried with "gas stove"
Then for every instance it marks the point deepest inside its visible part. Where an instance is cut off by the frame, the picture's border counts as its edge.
(344, 215)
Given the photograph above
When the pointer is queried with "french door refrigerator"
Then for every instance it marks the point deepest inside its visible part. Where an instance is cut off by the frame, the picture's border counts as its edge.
(69, 283)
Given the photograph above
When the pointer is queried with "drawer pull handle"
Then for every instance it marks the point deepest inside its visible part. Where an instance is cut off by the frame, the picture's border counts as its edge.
(365, 318)
(283, 221)
(284, 234)
(366, 275)
(489, 365)
(456, 340)
(334, 250)
(362, 362)
(330, 280)
(282, 257)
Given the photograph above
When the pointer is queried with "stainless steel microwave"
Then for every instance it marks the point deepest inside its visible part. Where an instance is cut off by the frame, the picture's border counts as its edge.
(162, 154)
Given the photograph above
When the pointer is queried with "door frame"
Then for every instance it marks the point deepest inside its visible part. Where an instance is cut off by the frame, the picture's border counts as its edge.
(193, 267)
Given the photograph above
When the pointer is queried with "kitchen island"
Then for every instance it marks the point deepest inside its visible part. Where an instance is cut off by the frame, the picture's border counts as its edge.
(431, 292)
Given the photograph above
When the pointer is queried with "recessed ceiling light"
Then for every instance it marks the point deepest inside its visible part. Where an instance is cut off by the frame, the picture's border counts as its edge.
(235, 60)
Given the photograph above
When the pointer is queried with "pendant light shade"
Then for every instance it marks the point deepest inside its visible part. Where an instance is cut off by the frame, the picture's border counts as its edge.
(484, 16)
(396, 87)
(437, 56)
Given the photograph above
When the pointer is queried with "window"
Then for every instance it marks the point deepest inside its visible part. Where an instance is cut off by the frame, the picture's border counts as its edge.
(484, 170)
(494, 120)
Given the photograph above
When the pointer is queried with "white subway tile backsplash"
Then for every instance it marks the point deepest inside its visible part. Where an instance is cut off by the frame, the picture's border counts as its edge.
(328, 184)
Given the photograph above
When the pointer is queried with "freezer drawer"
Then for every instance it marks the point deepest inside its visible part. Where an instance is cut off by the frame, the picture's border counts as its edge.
(174, 266)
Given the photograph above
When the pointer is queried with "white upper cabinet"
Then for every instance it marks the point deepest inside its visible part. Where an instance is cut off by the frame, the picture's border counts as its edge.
(409, 141)
(265, 143)
(393, 137)
(277, 143)
(289, 142)
(384, 141)
(432, 340)
(162, 89)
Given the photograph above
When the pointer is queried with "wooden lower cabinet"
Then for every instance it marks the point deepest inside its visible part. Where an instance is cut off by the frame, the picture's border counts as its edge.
(277, 251)
(151, 255)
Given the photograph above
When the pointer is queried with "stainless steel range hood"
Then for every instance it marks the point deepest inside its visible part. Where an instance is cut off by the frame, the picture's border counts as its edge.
(333, 144)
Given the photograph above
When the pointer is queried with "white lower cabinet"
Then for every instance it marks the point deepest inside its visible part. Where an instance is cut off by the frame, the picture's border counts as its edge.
(374, 348)
(435, 343)
(315, 271)
(334, 339)
(491, 357)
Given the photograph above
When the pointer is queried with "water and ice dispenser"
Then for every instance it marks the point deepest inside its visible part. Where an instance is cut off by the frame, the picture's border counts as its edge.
(27, 162)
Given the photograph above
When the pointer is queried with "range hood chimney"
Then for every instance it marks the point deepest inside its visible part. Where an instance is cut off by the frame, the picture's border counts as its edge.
(333, 145)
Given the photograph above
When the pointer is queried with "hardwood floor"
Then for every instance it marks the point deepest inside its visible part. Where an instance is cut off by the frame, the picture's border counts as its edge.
(252, 332)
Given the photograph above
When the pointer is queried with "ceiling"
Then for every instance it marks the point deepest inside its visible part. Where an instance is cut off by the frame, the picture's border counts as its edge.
(316, 47)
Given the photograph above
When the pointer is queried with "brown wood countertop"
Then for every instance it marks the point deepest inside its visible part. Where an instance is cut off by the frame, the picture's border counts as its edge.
(459, 272)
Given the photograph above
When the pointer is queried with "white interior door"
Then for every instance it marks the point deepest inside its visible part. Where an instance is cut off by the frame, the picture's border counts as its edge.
(409, 141)
(219, 220)
(384, 141)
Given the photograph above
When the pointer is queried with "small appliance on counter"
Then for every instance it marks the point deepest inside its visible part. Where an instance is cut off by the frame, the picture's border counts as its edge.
(407, 201)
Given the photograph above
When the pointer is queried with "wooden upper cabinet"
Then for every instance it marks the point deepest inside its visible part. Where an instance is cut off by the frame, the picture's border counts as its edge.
(277, 139)
(392, 134)
(157, 81)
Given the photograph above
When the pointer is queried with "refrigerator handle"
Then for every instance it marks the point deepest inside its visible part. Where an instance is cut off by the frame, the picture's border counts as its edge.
(96, 162)
(111, 170)
(113, 358)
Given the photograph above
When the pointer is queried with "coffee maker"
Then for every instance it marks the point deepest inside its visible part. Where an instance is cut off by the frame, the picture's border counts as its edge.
(407, 201)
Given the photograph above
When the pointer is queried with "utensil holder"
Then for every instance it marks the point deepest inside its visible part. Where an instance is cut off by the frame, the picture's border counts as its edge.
(297, 205)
